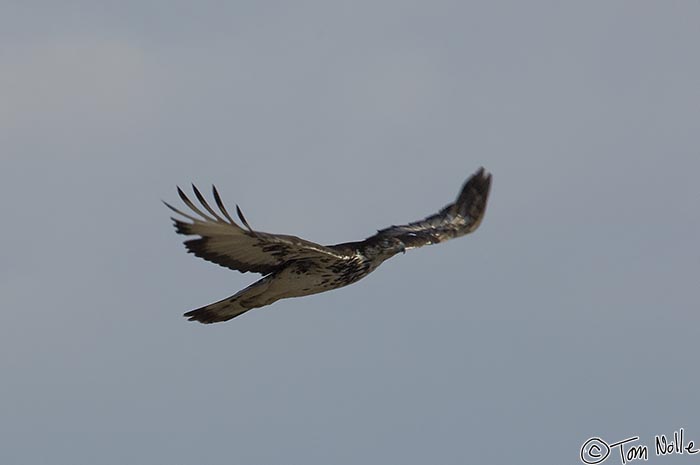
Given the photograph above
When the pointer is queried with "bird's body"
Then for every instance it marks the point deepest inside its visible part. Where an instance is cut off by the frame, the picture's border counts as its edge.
(294, 267)
(298, 279)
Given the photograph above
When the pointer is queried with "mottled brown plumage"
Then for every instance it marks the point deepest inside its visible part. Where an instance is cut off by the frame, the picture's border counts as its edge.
(294, 267)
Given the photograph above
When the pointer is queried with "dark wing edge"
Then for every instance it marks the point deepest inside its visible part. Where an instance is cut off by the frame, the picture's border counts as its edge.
(454, 220)
(224, 242)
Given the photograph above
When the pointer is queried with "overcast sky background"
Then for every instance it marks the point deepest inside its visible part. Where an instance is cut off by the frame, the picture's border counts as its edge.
(572, 312)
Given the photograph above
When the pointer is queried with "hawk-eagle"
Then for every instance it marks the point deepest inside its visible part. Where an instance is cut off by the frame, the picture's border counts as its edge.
(294, 267)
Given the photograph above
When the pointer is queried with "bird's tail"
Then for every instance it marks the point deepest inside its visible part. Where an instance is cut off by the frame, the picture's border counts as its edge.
(230, 307)
(222, 310)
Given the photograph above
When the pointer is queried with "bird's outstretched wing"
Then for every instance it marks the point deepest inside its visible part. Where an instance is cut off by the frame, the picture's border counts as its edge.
(455, 220)
(225, 243)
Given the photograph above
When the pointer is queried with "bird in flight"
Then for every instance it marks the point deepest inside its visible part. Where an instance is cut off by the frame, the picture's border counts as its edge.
(294, 267)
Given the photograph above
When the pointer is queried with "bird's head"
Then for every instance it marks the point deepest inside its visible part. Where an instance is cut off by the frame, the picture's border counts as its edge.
(387, 246)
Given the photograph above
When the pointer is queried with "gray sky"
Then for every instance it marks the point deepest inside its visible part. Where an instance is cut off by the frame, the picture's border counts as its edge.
(570, 313)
